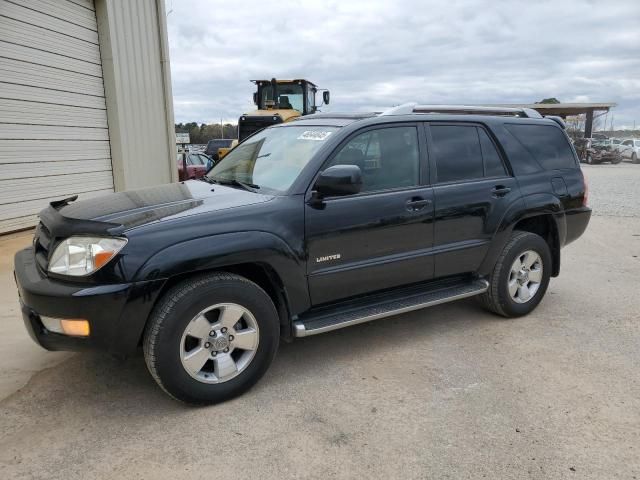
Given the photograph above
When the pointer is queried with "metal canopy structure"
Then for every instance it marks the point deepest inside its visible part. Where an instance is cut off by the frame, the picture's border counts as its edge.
(565, 110)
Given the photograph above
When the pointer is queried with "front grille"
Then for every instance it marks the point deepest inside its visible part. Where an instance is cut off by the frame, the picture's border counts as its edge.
(42, 246)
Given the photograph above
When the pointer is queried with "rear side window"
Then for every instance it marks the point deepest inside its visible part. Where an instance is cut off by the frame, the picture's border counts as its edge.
(457, 152)
(546, 144)
(493, 166)
(464, 152)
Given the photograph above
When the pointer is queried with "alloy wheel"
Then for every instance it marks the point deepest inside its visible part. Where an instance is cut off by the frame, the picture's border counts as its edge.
(219, 343)
(525, 276)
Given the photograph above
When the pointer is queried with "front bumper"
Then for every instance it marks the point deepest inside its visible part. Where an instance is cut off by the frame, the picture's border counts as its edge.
(117, 313)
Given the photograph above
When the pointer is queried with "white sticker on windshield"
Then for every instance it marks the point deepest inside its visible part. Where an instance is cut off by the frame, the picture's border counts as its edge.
(314, 135)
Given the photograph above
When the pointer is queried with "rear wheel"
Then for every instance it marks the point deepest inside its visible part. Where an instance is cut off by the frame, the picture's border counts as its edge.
(590, 159)
(634, 158)
(211, 338)
(520, 277)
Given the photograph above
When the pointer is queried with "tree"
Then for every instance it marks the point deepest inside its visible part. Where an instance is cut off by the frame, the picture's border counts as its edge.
(549, 100)
(202, 133)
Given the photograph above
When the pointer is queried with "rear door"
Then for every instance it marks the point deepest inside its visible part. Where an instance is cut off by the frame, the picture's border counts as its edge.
(472, 191)
(382, 237)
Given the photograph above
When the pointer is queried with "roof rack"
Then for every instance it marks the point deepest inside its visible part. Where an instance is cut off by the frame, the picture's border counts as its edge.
(409, 108)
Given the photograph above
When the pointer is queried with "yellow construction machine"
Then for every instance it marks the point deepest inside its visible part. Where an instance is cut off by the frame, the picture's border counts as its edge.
(278, 101)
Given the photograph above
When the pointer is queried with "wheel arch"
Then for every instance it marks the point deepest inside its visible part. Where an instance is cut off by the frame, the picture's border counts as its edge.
(260, 273)
(546, 227)
(542, 215)
(261, 257)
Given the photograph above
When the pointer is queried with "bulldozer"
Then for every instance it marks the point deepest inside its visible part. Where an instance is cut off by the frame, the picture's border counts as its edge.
(278, 101)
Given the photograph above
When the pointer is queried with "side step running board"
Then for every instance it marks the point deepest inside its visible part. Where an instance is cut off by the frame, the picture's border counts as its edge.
(327, 321)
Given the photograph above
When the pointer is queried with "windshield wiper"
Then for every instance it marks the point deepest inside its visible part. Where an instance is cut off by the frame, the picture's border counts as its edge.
(236, 183)
(207, 179)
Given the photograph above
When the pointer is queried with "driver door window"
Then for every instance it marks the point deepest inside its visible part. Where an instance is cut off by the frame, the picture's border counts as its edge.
(388, 158)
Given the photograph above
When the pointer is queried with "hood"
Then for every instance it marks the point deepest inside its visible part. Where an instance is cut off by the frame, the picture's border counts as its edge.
(121, 211)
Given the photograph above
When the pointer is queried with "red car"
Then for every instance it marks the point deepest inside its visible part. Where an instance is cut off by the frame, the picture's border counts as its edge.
(197, 165)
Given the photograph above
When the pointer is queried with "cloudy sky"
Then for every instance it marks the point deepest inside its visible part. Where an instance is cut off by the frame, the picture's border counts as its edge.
(373, 54)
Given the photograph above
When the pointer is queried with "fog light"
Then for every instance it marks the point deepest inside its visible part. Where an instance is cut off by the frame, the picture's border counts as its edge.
(68, 326)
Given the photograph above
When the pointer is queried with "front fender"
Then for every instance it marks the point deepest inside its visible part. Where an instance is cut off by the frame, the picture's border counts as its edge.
(228, 249)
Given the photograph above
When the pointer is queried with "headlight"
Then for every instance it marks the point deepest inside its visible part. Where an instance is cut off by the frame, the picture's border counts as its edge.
(80, 256)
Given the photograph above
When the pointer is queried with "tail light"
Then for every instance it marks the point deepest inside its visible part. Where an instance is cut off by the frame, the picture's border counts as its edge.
(585, 198)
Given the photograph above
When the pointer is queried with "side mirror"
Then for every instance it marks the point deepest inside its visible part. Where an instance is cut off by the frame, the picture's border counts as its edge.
(339, 180)
(326, 97)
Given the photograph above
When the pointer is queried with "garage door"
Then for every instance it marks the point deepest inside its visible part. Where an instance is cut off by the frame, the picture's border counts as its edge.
(54, 140)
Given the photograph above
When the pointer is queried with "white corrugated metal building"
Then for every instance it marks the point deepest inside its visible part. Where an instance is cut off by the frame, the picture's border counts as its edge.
(85, 102)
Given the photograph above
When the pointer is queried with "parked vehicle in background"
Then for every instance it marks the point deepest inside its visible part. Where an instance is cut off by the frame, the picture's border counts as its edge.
(615, 143)
(597, 150)
(197, 165)
(630, 150)
(215, 144)
(306, 227)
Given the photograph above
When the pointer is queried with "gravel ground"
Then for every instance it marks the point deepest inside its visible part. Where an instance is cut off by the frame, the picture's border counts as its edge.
(447, 392)
(614, 190)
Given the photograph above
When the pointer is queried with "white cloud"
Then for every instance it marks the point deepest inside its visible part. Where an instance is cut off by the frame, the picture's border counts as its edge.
(373, 54)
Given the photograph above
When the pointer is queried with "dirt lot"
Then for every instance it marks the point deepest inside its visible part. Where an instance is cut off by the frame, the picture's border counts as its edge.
(448, 392)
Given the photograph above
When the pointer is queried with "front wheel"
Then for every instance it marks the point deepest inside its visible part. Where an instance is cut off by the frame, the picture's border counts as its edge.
(634, 158)
(590, 159)
(520, 277)
(210, 338)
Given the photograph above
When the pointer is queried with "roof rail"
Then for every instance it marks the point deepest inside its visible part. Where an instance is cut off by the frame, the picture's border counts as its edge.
(404, 109)
(409, 108)
(558, 120)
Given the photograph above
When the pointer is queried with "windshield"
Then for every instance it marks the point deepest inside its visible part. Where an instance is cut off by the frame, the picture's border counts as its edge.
(272, 158)
(289, 96)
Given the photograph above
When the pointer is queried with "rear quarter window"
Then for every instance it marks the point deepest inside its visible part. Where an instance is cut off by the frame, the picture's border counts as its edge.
(546, 144)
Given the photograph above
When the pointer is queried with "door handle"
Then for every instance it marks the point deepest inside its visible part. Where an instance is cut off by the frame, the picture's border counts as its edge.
(499, 191)
(417, 203)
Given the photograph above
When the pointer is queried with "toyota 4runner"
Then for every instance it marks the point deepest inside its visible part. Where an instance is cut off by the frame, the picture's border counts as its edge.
(307, 227)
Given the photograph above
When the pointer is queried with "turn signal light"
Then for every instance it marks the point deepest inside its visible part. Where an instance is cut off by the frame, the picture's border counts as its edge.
(75, 328)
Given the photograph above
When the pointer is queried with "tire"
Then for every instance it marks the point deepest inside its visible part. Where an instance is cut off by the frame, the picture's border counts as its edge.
(616, 160)
(590, 160)
(634, 158)
(169, 347)
(498, 298)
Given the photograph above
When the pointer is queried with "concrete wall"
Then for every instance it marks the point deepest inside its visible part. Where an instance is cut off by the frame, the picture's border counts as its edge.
(137, 83)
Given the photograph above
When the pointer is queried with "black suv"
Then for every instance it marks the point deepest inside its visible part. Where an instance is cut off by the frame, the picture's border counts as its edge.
(307, 227)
